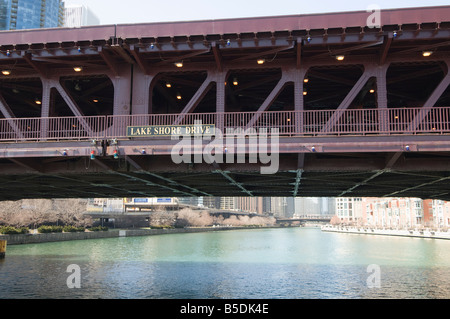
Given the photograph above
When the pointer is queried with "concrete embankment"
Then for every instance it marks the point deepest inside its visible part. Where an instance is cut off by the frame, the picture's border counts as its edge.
(418, 233)
(55, 237)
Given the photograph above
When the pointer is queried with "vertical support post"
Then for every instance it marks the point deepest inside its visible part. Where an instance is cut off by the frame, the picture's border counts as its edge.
(299, 100)
(3, 244)
(121, 79)
(382, 100)
(122, 90)
(45, 109)
(220, 100)
(142, 97)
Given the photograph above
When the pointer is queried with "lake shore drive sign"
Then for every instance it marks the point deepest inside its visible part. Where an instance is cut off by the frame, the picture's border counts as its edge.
(170, 130)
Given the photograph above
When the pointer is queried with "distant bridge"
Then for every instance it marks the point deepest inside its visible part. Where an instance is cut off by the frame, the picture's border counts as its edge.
(305, 219)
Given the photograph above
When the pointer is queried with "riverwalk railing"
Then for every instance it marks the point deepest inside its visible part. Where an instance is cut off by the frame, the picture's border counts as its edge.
(408, 121)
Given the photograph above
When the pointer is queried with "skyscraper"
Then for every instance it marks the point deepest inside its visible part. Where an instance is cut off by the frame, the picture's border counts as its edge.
(227, 203)
(249, 204)
(31, 14)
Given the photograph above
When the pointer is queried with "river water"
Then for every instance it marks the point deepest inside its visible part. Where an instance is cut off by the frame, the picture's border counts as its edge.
(287, 263)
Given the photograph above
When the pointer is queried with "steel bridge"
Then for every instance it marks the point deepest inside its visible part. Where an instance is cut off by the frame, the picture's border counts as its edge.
(360, 110)
(318, 219)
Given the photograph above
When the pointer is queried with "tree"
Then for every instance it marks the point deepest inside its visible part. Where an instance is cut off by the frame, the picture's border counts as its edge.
(71, 212)
(8, 212)
(162, 218)
(335, 220)
(35, 212)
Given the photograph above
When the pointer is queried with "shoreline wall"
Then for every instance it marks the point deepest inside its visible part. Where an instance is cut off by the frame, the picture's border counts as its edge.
(23, 239)
(417, 233)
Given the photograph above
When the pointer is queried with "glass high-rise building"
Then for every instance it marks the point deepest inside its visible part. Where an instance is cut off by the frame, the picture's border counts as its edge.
(31, 14)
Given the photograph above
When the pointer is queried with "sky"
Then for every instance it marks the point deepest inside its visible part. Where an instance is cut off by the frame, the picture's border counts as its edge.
(141, 11)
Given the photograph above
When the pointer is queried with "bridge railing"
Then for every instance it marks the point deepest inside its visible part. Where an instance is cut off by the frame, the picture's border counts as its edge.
(52, 128)
(288, 123)
(298, 123)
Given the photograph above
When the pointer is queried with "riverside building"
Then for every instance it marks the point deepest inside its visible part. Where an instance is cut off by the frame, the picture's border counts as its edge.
(393, 212)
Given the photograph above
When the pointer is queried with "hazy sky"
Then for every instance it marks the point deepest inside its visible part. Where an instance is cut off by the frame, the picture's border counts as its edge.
(138, 11)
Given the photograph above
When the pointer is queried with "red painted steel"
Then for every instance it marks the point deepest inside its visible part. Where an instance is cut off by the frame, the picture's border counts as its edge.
(55, 35)
(286, 123)
(276, 23)
(320, 21)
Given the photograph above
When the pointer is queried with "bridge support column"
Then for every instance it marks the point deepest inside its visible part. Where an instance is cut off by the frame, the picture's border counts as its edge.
(299, 100)
(142, 94)
(382, 100)
(220, 99)
(122, 89)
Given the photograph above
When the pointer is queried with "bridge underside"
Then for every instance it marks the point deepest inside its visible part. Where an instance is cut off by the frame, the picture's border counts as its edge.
(347, 174)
